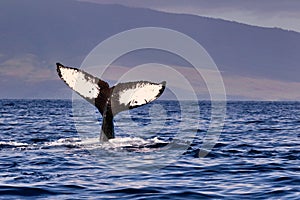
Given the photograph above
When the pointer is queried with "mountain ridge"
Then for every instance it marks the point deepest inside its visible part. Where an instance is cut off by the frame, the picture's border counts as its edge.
(67, 31)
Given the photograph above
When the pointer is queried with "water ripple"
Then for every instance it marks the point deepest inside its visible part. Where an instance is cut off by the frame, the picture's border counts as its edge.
(42, 155)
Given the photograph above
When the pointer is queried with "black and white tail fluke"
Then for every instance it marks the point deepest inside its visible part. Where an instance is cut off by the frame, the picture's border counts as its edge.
(131, 95)
(110, 100)
(87, 86)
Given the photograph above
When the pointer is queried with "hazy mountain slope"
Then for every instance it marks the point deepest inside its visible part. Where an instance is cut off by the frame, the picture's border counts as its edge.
(66, 30)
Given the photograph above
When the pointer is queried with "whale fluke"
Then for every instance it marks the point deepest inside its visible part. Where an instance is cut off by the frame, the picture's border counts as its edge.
(109, 100)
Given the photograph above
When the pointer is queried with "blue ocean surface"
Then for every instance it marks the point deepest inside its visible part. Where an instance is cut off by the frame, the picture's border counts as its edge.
(50, 149)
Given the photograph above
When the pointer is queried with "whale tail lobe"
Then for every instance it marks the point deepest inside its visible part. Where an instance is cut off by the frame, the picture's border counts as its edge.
(109, 100)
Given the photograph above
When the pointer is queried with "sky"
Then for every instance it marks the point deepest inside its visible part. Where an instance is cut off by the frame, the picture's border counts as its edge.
(283, 14)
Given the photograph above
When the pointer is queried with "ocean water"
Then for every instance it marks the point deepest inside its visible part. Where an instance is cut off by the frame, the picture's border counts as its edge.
(49, 149)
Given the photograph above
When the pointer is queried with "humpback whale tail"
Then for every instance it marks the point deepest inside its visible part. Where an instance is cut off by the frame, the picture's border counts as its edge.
(109, 100)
